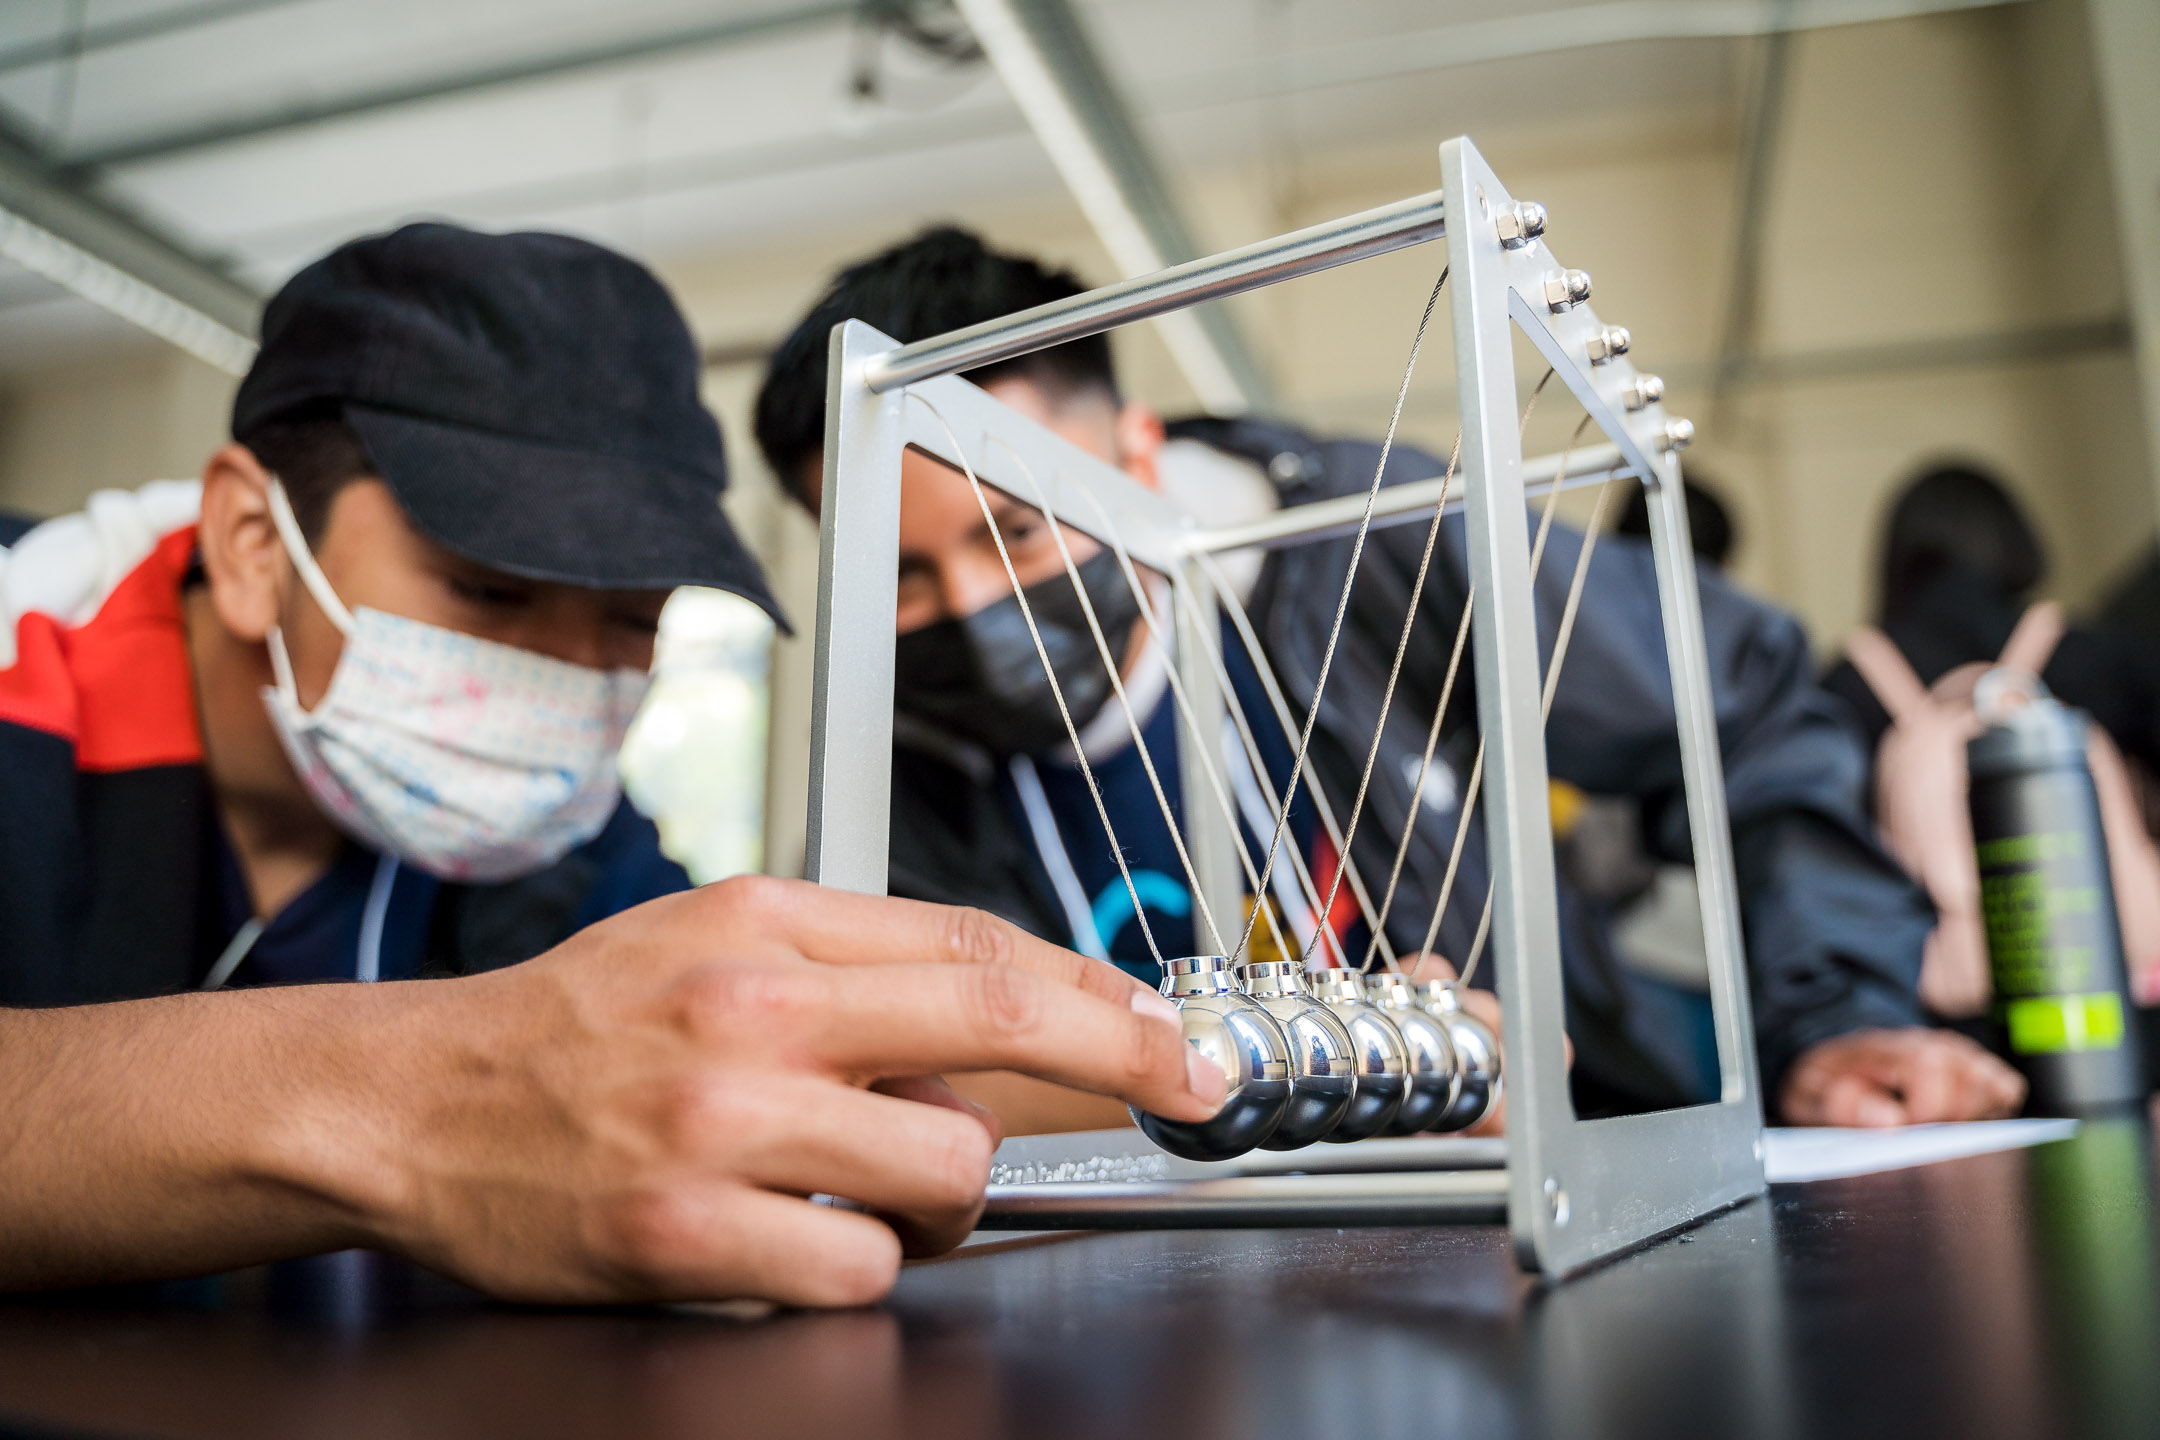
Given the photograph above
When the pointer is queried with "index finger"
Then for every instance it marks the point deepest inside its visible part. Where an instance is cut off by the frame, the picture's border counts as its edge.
(925, 1020)
(841, 927)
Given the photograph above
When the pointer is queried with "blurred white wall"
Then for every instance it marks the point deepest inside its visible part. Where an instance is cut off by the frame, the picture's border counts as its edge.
(150, 413)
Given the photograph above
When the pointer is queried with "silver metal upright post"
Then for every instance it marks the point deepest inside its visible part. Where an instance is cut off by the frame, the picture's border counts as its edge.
(851, 706)
(1208, 831)
(1518, 818)
(1717, 886)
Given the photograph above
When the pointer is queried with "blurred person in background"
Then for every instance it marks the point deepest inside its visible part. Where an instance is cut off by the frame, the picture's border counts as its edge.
(1960, 565)
(2132, 605)
(990, 809)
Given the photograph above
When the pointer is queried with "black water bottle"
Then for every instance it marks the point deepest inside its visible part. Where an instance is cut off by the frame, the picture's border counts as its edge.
(2062, 998)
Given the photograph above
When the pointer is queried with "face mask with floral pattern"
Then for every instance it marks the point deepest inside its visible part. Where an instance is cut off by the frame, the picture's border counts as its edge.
(471, 760)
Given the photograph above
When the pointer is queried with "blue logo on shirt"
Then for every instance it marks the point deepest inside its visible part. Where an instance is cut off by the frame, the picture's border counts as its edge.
(1114, 906)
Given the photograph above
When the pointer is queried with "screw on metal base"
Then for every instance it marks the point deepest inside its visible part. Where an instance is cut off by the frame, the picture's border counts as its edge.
(1677, 435)
(1645, 392)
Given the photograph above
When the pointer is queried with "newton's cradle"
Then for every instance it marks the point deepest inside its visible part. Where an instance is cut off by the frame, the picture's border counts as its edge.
(1571, 1191)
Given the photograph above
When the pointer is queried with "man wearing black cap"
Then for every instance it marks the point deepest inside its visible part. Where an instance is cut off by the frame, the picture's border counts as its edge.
(348, 708)
(460, 461)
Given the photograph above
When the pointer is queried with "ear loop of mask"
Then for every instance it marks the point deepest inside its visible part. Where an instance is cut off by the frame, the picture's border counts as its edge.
(368, 961)
(310, 573)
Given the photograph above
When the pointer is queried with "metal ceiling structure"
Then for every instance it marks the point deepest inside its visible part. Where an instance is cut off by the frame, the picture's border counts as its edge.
(232, 128)
(1053, 73)
(207, 147)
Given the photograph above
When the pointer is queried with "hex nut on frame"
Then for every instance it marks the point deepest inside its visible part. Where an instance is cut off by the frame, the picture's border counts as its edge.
(1567, 289)
(1520, 223)
(1608, 344)
(1677, 435)
(1645, 392)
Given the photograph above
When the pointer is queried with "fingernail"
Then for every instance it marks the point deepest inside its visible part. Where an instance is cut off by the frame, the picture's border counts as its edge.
(1205, 1079)
(1154, 1007)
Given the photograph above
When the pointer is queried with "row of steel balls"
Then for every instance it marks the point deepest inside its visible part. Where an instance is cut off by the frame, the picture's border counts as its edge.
(1334, 1056)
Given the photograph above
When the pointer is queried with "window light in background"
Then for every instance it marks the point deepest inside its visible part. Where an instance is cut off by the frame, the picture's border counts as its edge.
(694, 759)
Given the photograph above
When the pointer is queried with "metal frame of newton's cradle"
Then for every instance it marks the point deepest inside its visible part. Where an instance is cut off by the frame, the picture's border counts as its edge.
(1572, 1191)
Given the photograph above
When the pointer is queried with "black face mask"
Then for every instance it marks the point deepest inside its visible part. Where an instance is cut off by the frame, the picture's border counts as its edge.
(979, 677)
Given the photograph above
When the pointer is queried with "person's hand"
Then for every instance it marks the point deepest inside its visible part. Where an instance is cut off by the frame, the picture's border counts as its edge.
(1898, 1077)
(640, 1113)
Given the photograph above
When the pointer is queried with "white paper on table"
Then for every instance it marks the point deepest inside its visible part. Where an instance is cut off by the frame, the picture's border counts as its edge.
(1830, 1153)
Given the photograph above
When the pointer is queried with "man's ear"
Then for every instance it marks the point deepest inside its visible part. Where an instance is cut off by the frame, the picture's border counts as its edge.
(241, 552)
(1139, 441)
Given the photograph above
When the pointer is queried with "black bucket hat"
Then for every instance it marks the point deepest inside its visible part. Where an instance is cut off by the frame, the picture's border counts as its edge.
(531, 399)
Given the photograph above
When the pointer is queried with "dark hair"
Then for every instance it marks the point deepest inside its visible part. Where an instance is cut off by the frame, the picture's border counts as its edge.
(314, 455)
(943, 279)
(1958, 518)
(1711, 529)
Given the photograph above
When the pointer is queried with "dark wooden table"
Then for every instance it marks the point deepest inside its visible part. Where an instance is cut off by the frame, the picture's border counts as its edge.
(2005, 1295)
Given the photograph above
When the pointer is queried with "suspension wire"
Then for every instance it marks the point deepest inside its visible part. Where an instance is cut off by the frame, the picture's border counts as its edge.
(1477, 766)
(1117, 683)
(1249, 640)
(1468, 800)
(1255, 762)
(1057, 691)
(1552, 680)
(1114, 534)
(1342, 605)
(1387, 694)
(1417, 788)
(1477, 943)
(1432, 741)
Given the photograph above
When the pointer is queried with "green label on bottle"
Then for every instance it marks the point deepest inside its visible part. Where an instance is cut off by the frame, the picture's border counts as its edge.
(2040, 931)
(2062, 1024)
(2031, 849)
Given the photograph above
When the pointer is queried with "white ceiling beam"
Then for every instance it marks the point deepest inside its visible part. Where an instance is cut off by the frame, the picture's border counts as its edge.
(1061, 87)
(120, 264)
(233, 127)
(1547, 32)
(68, 43)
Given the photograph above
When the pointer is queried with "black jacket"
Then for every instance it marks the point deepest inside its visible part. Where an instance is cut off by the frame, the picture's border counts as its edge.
(1834, 928)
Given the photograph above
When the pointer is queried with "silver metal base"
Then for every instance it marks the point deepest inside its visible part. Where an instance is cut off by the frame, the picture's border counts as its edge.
(1260, 1202)
(1117, 1180)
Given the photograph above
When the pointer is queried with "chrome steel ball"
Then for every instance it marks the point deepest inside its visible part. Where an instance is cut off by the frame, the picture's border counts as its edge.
(1435, 1078)
(1383, 1076)
(1323, 1058)
(1477, 1054)
(1242, 1039)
